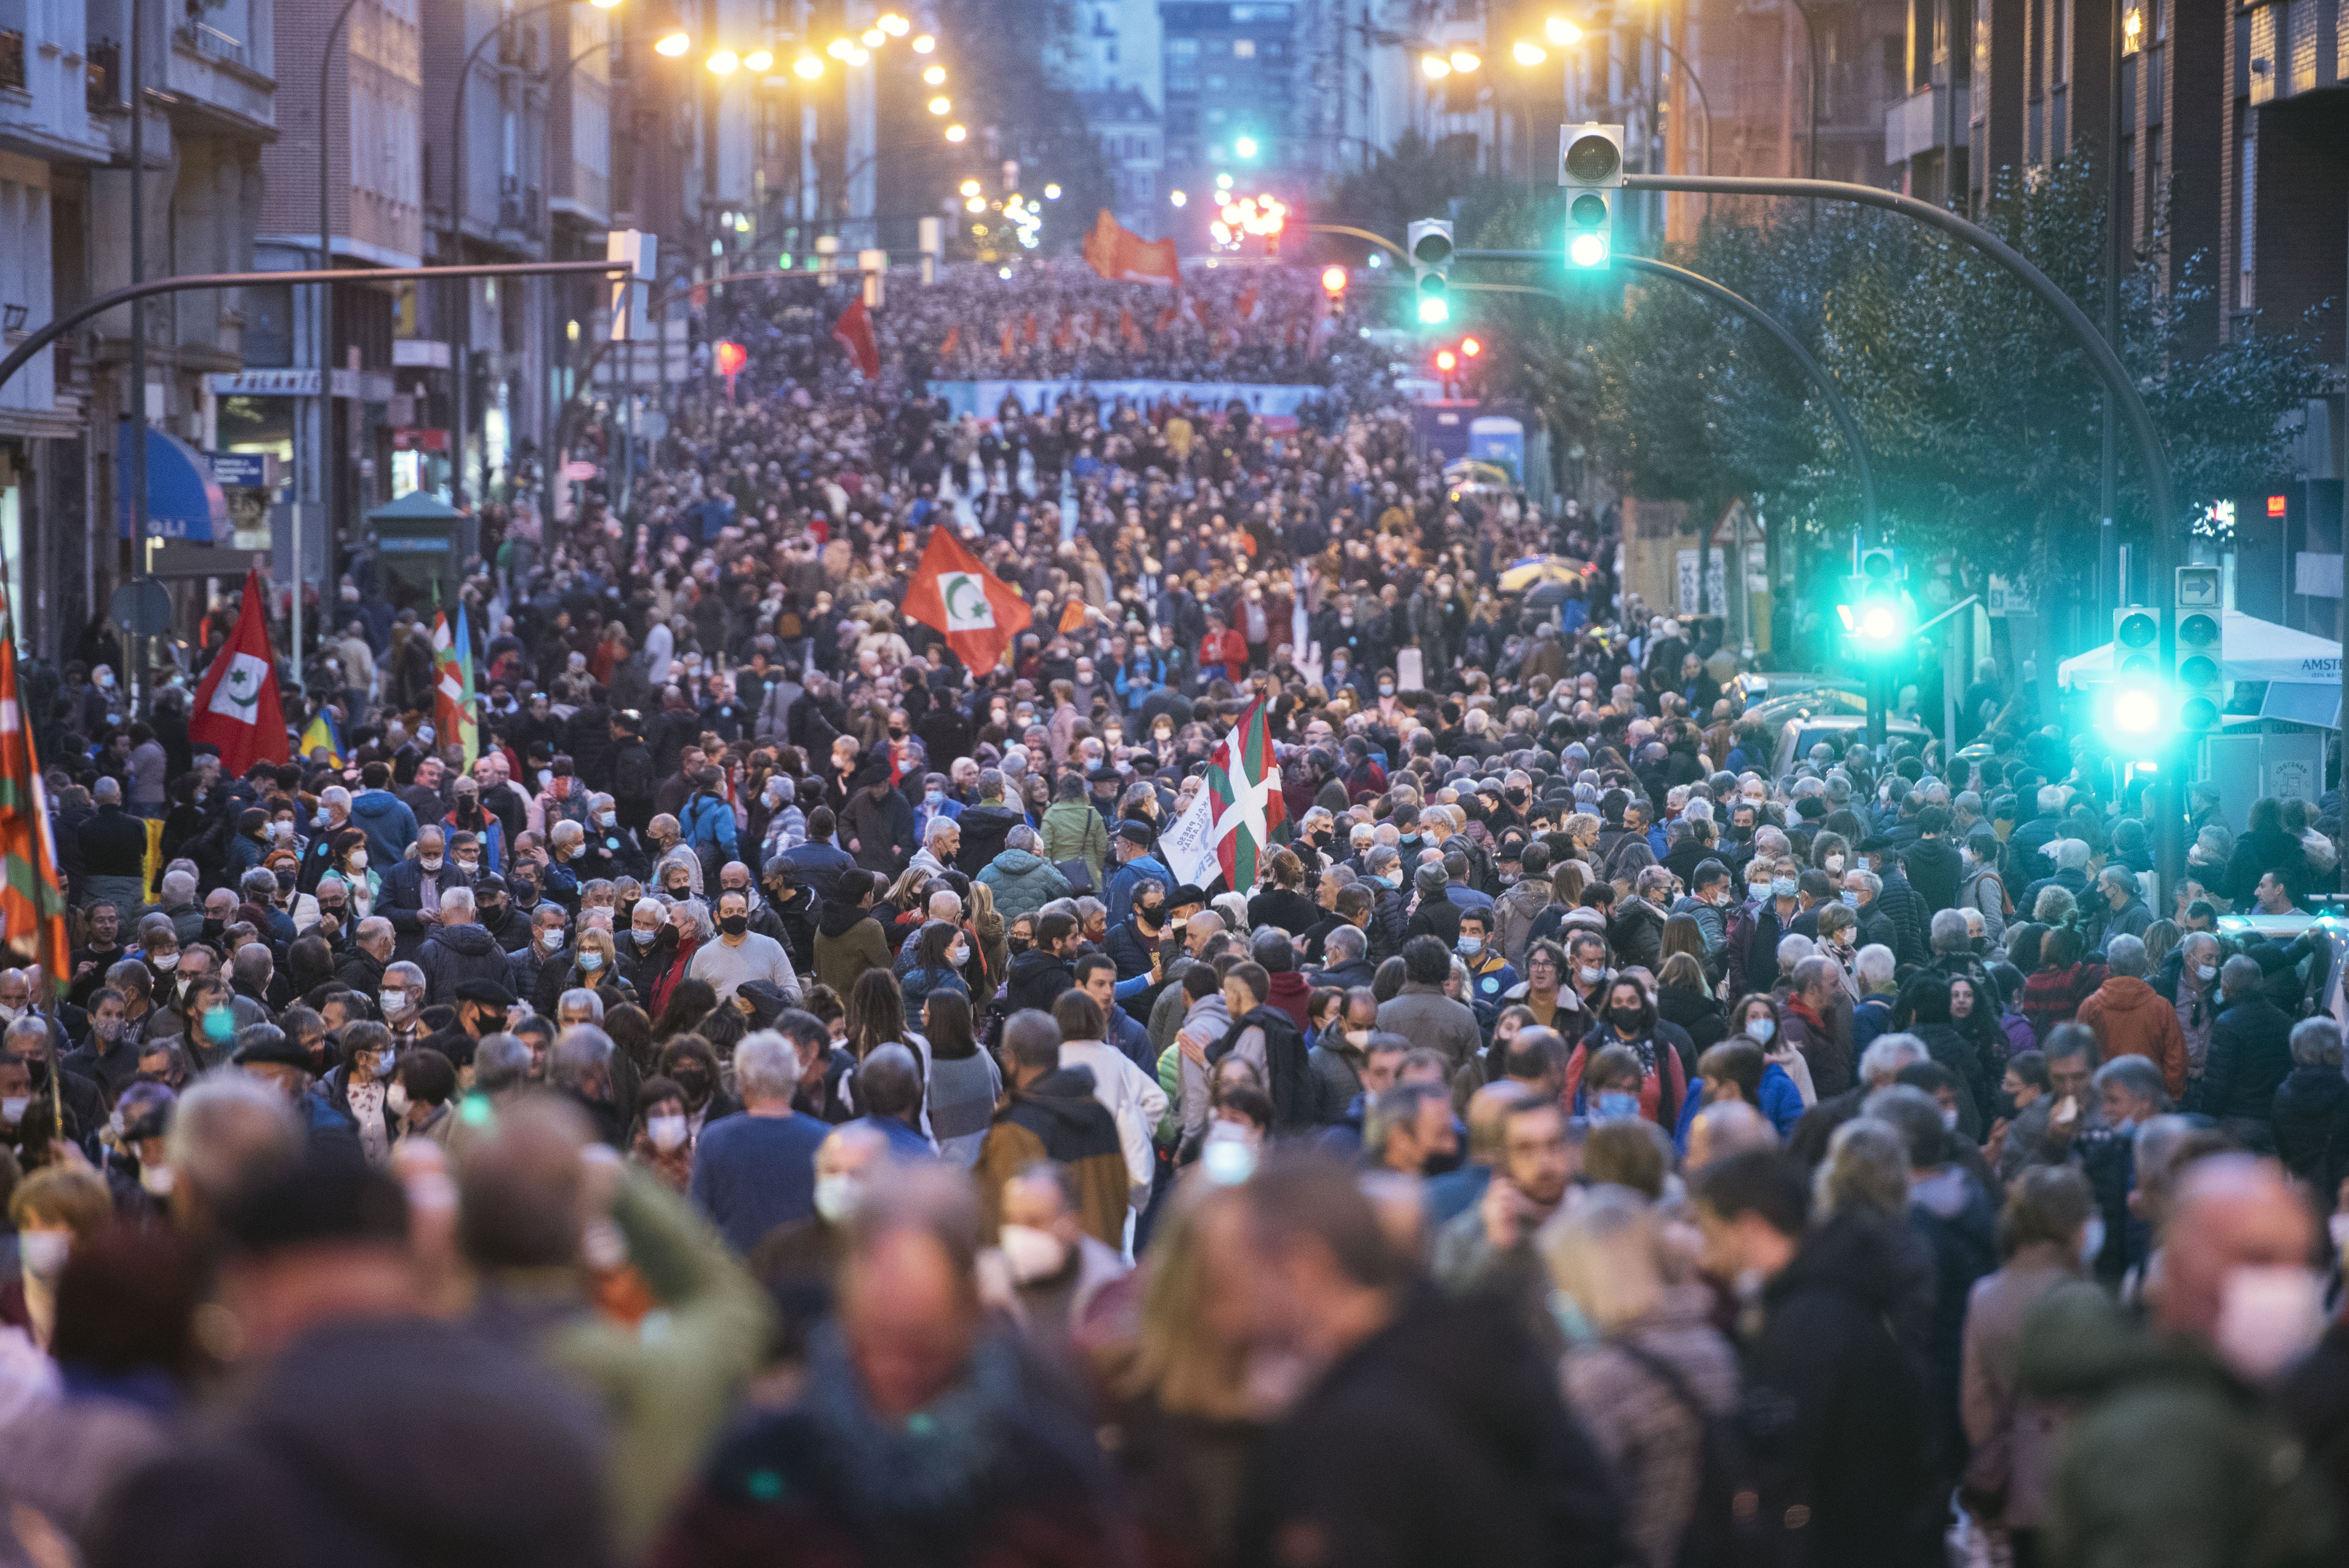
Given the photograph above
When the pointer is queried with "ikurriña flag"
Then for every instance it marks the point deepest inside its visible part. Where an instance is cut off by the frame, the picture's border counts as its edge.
(32, 894)
(951, 593)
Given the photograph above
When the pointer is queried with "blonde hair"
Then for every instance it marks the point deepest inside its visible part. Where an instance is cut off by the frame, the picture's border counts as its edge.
(1605, 1252)
(1173, 1357)
(71, 1196)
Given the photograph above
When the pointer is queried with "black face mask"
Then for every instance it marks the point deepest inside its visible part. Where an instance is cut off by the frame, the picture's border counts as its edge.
(493, 908)
(734, 924)
(1150, 915)
(214, 927)
(1627, 1019)
(695, 1085)
(1016, 944)
(1516, 797)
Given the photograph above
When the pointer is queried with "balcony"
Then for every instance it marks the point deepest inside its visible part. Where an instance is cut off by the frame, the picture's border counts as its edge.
(12, 58)
(210, 41)
(1927, 118)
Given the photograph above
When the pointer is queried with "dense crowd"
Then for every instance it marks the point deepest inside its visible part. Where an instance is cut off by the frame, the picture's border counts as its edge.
(775, 1103)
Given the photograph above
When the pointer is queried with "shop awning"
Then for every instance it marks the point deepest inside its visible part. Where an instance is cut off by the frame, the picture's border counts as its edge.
(184, 501)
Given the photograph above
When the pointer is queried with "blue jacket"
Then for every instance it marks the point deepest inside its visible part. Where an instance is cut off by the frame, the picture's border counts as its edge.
(1782, 1102)
(707, 824)
(1127, 877)
(400, 899)
(389, 825)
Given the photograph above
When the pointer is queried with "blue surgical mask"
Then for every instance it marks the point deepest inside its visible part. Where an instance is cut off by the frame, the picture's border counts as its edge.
(1782, 887)
(934, 798)
(1470, 946)
(1850, 899)
(1615, 1105)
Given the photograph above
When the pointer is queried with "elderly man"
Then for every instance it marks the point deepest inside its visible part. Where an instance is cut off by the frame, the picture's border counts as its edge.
(2251, 1055)
(113, 846)
(412, 889)
(2189, 982)
(757, 1171)
(940, 841)
(459, 949)
(2131, 1018)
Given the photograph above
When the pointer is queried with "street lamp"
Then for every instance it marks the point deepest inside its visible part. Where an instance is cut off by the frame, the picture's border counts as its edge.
(724, 63)
(670, 44)
(936, 77)
(807, 67)
(957, 134)
(941, 105)
(1561, 32)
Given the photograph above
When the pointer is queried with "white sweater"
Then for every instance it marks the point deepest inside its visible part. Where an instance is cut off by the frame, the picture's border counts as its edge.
(1130, 1095)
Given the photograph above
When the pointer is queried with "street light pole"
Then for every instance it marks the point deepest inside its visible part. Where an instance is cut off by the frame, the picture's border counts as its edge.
(328, 454)
(1811, 51)
(138, 431)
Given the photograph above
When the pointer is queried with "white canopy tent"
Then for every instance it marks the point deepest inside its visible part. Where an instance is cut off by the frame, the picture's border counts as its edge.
(2303, 671)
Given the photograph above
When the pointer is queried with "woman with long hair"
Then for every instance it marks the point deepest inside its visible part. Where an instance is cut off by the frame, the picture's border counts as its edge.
(991, 950)
(877, 1014)
(964, 1082)
(1683, 997)
(689, 1001)
(1188, 1414)
(1923, 1010)
(939, 954)
(2053, 992)
(1627, 1020)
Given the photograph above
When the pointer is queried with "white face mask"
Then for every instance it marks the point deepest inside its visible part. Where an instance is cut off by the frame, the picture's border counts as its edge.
(430, 862)
(42, 1253)
(1759, 1030)
(157, 1180)
(395, 1100)
(1034, 1254)
(834, 1197)
(358, 860)
(1591, 976)
(167, 962)
(393, 1002)
(12, 1110)
(2269, 1317)
(2207, 972)
(667, 1132)
(550, 938)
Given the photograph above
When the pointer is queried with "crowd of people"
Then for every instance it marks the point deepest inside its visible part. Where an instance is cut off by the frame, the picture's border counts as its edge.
(775, 1102)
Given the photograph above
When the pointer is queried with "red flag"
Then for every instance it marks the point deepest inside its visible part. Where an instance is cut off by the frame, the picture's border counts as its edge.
(1126, 329)
(1166, 318)
(1245, 307)
(854, 332)
(952, 342)
(1121, 255)
(1028, 331)
(236, 706)
(1007, 340)
(953, 594)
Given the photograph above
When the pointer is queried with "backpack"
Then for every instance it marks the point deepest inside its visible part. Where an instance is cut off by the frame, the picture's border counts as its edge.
(1729, 1527)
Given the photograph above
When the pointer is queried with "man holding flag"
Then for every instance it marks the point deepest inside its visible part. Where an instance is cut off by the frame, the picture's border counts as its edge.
(978, 612)
(1238, 816)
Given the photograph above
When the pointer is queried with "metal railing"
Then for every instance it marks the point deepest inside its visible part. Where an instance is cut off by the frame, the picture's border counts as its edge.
(206, 39)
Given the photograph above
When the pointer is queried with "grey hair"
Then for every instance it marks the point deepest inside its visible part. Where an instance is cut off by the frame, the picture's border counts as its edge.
(2125, 955)
(228, 1130)
(1022, 837)
(2138, 1076)
(2316, 1043)
(1344, 945)
(1861, 877)
(940, 826)
(1866, 1167)
(178, 887)
(2072, 855)
(502, 1061)
(581, 996)
(406, 972)
(767, 1066)
(582, 1051)
(1950, 931)
(1874, 966)
(1886, 1055)
(460, 899)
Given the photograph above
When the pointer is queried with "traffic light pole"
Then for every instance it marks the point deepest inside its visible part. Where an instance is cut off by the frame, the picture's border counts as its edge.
(1720, 294)
(2170, 838)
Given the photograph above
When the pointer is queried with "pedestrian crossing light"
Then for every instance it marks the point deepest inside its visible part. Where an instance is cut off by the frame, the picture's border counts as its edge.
(1590, 169)
(1429, 240)
(1872, 611)
(2136, 714)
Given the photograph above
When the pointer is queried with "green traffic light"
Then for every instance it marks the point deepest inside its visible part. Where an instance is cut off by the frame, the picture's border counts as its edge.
(2137, 711)
(1434, 311)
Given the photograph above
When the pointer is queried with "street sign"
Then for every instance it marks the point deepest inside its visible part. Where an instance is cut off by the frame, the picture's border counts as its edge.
(142, 607)
(2004, 599)
(1688, 585)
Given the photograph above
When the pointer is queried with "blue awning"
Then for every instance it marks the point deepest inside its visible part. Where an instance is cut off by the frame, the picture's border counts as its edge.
(184, 501)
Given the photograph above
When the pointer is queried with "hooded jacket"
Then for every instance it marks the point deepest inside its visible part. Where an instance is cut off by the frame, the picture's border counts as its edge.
(984, 827)
(1024, 882)
(452, 954)
(848, 941)
(1934, 873)
(1036, 980)
(389, 825)
(1843, 1328)
(1073, 830)
(2131, 1019)
(1057, 1117)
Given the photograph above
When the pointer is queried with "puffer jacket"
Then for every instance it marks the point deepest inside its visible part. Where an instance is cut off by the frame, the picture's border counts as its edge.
(1516, 910)
(1024, 882)
(2133, 1019)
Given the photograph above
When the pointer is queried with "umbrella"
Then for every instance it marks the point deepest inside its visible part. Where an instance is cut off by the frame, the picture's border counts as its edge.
(1517, 577)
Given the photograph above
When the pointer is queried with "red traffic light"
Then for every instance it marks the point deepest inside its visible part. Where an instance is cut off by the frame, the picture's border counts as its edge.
(1333, 279)
(1471, 348)
(731, 358)
(1446, 361)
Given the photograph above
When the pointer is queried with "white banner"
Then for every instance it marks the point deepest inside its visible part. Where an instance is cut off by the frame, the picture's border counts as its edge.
(1188, 847)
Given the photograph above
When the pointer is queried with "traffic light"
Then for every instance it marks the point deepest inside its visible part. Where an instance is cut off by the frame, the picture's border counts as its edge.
(1333, 283)
(1446, 361)
(2198, 679)
(1429, 240)
(1873, 613)
(1590, 167)
(1470, 349)
(2136, 704)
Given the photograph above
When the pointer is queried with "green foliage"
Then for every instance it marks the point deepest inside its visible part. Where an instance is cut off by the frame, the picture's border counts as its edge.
(1982, 415)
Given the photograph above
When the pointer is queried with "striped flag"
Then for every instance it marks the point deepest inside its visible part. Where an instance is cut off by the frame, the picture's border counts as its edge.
(31, 895)
(323, 734)
(1239, 815)
(452, 710)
